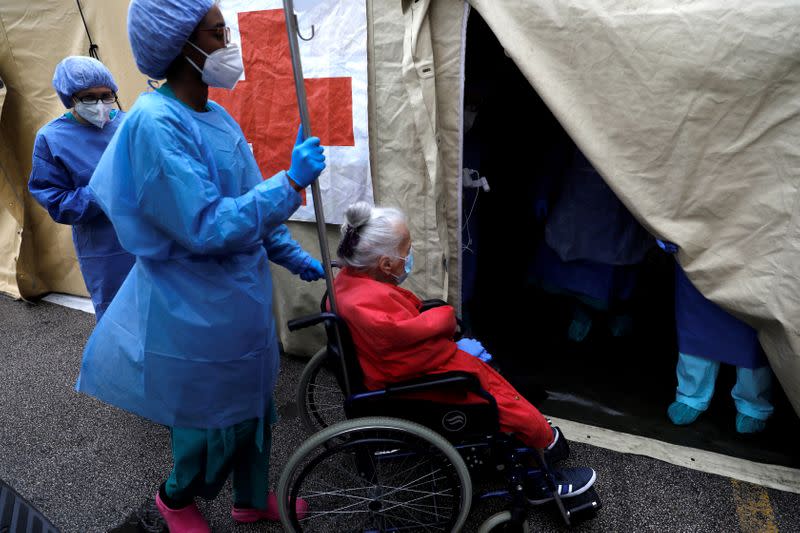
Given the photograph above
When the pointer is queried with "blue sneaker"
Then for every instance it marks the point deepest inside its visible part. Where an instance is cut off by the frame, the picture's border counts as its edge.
(570, 482)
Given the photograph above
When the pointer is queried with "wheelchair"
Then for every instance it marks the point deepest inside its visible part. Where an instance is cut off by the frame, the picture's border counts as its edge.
(393, 460)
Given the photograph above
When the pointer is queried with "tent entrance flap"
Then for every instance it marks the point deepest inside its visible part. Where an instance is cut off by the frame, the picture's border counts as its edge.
(689, 111)
(603, 358)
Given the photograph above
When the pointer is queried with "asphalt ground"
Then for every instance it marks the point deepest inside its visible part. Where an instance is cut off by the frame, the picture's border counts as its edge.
(93, 468)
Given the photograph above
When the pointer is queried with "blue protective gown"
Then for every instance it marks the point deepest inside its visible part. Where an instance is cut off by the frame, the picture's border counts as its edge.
(589, 222)
(190, 339)
(593, 245)
(598, 285)
(708, 331)
(65, 154)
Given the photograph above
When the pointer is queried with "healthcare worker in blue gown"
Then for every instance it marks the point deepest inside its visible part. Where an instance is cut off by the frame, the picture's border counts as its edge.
(190, 340)
(65, 154)
(708, 336)
(593, 246)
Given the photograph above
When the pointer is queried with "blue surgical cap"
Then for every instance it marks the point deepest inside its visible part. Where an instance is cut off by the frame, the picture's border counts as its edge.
(158, 29)
(76, 73)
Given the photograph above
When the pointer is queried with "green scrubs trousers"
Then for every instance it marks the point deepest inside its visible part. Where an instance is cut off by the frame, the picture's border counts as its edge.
(204, 458)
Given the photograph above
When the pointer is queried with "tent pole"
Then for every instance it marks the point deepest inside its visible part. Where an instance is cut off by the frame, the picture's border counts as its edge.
(302, 103)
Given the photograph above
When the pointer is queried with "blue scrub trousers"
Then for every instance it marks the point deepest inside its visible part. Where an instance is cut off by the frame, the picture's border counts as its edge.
(751, 394)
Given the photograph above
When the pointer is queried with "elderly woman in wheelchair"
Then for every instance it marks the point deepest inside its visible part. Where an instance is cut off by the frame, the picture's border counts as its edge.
(394, 367)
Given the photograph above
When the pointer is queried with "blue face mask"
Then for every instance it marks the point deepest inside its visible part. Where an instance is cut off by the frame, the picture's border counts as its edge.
(409, 259)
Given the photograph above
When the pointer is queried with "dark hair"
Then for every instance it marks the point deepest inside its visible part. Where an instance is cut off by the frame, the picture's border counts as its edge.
(347, 246)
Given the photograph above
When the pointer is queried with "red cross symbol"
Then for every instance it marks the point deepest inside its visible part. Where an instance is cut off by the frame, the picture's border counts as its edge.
(265, 103)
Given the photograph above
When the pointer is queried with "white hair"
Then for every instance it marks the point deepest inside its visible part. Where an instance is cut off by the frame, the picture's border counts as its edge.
(369, 233)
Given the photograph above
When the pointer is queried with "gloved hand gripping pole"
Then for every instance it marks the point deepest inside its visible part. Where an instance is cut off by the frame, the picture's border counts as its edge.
(302, 103)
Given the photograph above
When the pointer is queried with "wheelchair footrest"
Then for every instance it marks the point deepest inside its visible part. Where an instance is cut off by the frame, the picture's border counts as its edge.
(581, 507)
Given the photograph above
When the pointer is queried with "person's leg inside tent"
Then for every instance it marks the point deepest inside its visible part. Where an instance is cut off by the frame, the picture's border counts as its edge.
(696, 379)
(752, 394)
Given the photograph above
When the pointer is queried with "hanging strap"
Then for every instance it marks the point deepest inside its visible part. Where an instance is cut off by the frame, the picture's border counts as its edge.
(92, 47)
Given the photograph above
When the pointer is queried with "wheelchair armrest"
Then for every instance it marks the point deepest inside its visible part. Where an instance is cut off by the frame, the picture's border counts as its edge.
(432, 382)
(435, 381)
(430, 304)
(311, 320)
(427, 305)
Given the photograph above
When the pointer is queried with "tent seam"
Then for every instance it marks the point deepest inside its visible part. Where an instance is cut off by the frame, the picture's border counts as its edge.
(457, 298)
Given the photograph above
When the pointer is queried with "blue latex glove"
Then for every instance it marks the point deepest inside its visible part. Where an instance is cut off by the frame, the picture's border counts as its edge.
(308, 160)
(312, 271)
(670, 248)
(474, 348)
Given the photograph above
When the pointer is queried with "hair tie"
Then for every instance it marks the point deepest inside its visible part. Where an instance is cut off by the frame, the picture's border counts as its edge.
(349, 242)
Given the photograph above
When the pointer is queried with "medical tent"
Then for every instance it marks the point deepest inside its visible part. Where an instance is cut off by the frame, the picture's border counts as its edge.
(689, 109)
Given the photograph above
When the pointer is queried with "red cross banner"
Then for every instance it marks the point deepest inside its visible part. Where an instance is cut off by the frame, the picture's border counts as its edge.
(335, 71)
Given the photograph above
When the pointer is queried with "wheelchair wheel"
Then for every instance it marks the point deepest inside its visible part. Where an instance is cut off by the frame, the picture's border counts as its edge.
(502, 522)
(319, 397)
(375, 474)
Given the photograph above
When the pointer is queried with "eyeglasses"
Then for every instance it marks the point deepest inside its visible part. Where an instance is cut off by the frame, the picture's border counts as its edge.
(108, 98)
(222, 32)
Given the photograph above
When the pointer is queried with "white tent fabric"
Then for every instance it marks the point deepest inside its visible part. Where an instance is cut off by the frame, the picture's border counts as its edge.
(690, 112)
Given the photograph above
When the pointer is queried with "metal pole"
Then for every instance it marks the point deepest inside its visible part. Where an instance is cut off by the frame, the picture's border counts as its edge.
(302, 103)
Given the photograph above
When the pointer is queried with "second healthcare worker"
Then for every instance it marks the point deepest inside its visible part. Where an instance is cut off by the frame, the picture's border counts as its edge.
(65, 154)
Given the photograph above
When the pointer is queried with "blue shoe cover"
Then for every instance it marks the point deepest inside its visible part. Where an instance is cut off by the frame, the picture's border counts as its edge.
(681, 414)
(580, 326)
(748, 424)
(621, 325)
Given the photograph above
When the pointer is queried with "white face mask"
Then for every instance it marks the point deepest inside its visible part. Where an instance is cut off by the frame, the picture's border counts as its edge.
(223, 67)
(98, 113)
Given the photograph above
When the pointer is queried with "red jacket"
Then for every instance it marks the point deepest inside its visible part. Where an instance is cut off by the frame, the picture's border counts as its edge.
(395, 342)
(393, 339)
